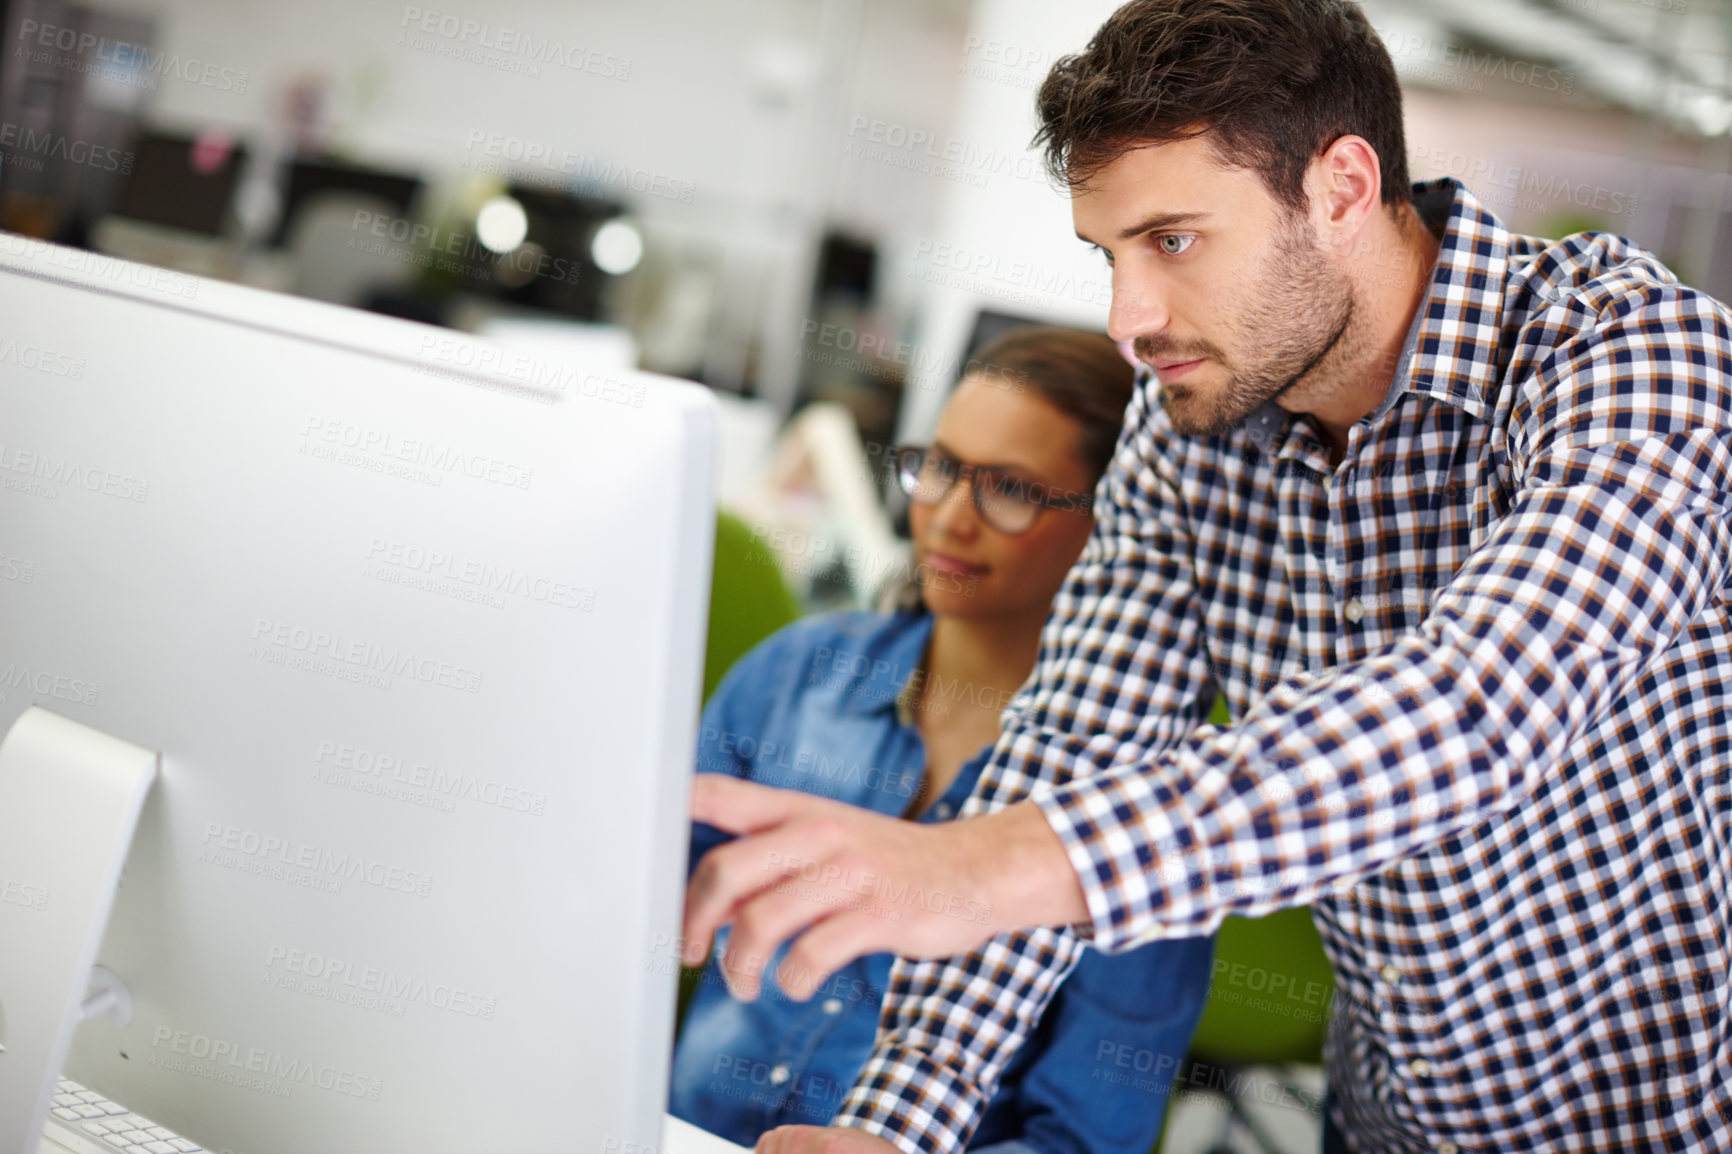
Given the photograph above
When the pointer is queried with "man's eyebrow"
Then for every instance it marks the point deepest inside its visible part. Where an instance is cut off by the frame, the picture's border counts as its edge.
(1151, 223)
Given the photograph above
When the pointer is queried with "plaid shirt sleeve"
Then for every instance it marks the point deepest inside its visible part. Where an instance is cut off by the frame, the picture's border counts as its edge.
(1122, 666)
(1613, 539)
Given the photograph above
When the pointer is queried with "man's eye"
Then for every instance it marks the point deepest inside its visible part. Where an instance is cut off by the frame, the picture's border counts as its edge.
(1174, 245)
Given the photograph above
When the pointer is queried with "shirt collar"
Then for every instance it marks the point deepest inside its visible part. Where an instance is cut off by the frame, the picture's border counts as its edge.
(1452, 345)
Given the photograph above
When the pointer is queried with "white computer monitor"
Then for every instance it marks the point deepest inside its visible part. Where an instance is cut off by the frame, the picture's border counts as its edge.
(417, 631)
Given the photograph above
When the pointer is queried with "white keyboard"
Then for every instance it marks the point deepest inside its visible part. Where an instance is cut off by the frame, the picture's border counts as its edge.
(84, 1121)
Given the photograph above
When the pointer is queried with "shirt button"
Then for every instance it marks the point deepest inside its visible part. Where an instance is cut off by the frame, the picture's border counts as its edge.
(1448, 1148)
(1420, 1067)
(942, 811)
(1390, 974)
(832, 1005)
(1354, 610)
(779, 1075)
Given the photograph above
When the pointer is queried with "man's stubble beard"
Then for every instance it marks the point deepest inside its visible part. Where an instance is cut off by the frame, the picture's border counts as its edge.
(1299, 317)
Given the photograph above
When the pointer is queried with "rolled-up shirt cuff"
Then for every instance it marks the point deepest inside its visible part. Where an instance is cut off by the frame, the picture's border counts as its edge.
(911, 1101)
(1086, 816)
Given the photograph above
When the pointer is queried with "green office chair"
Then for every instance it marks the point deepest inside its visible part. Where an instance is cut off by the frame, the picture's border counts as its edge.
(749, 598)
(1268, 1005)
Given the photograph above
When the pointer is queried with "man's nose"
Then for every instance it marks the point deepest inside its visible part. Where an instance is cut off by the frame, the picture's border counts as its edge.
(1137, 310)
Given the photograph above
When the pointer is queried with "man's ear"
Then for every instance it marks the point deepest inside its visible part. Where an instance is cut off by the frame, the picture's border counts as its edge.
(1345, 187)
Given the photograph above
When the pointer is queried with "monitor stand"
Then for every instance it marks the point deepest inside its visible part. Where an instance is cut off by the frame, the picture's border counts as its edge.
(69, 803)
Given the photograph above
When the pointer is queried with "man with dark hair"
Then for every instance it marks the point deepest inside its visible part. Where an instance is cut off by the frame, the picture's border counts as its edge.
(1446, 513)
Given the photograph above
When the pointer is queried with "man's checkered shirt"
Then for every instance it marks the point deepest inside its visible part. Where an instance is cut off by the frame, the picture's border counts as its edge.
(1481, 670)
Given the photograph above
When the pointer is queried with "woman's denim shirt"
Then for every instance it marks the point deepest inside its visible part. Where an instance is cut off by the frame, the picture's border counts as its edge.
(823, 707)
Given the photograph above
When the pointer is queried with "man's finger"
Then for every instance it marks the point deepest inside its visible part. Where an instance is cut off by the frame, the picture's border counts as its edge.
(745, 807)
(731, 874)
(828, 946)
(762, 924)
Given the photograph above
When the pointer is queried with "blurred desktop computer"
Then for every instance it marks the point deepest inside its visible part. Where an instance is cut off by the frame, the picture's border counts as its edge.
(176, 207)
(419, 645)
(555, 269)
(182, 182)
(990, 324)
(308, 181)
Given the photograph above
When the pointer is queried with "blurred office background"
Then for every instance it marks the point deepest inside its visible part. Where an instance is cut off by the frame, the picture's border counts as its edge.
(815, 207)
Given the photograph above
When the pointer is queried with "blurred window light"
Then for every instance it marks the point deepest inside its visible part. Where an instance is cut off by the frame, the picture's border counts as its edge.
(1709, 113)
(617, 247)
(501, 225)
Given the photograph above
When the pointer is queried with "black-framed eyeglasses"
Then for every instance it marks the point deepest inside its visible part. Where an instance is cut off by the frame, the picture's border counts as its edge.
(1006, 502)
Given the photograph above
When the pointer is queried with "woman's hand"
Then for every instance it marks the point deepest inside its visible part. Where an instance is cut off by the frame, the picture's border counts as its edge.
(851, 882)
(823, 1140)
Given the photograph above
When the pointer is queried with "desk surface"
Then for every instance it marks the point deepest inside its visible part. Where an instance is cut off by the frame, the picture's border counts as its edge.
(678, 1137)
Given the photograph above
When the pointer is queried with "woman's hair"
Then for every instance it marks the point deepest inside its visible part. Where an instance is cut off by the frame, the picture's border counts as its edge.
(1082, 375)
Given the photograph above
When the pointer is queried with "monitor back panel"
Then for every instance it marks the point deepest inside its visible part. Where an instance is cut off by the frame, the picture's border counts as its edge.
(420, 644)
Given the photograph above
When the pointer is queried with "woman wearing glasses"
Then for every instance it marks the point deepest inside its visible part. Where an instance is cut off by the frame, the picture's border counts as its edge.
(897, 712)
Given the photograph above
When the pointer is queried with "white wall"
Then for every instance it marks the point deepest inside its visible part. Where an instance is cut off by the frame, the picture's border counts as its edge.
(698, 103)
(1006, 226)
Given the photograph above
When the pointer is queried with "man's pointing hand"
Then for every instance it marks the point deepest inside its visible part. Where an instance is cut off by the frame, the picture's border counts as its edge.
(851, 882)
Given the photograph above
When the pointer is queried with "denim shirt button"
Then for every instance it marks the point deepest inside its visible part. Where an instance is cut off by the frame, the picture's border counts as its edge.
(832, 1005)
(779, 1075)
(942, 811)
